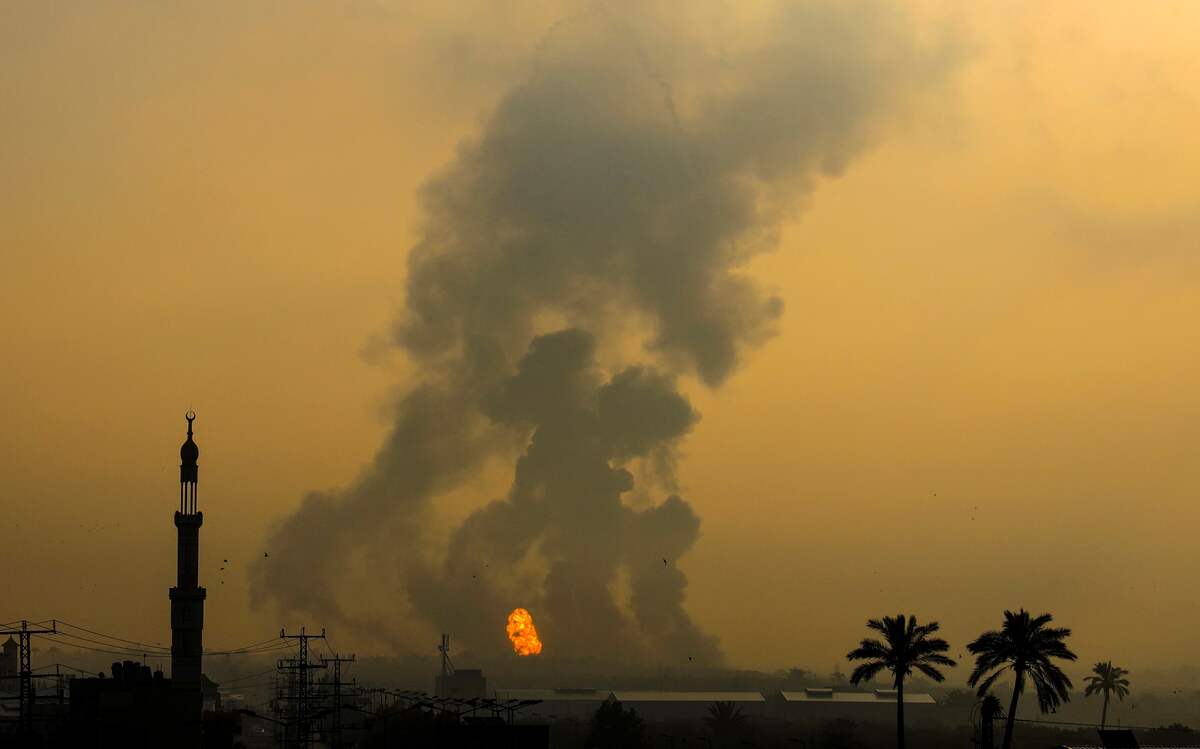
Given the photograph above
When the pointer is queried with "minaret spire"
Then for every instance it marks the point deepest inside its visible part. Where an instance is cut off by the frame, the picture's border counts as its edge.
(189, 472)
(187, 597)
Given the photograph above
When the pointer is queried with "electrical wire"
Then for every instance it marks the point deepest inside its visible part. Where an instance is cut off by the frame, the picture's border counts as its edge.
(123, 646)
(1088, 725)
(261, 646)
(264, 646)
(156, 650)
(158, 646)
(127, 653)
(66, 665)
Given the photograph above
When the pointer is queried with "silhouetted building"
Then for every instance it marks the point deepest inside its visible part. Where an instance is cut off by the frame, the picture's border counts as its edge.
(187, 597)
(10, 657)
(132, 708)
(877, 705)
(654, 705)
(557, 704)
(463, 683)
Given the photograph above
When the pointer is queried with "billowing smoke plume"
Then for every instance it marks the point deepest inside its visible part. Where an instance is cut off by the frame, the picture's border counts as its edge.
(603, 200)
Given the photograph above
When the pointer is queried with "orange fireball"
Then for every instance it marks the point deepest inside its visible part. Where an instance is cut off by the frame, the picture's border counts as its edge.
(522, 633)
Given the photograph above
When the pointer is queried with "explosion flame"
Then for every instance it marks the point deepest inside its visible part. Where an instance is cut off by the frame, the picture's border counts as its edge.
(522, 633)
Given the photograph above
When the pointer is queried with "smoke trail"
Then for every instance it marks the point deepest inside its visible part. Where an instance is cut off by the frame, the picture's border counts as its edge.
(586, 208)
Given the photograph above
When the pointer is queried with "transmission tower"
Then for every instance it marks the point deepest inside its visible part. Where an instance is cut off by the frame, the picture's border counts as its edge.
(25, 674)
(335, 730)
(302, 667)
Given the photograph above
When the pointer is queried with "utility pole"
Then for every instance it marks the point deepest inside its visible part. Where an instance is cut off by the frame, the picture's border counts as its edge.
(441, 685)
(336, 727)
(444, 649)
(303, 686)
(25, 675)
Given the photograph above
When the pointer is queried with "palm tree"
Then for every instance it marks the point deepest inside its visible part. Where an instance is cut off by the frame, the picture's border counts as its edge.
(989, 708)
(1024, 645)
(905, 646)
(614, 727)
(725, 721)
(1108, 679)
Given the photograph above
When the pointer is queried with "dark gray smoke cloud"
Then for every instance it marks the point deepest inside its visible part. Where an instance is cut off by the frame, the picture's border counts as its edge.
(602, 196)
(565, 507)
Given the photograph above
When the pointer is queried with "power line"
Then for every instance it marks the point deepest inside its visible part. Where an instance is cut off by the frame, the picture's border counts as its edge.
(77, 646)
(158, 646)
(275, 643)
(1087, 725)
(67, 665)
(129, 652)
(271, 648)
(157, 650)
(255, 644)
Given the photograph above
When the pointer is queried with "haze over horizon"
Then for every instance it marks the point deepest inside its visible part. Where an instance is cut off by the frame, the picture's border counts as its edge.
(982, 390)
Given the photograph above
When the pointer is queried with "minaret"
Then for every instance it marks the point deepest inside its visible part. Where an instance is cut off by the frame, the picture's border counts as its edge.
(187, 597)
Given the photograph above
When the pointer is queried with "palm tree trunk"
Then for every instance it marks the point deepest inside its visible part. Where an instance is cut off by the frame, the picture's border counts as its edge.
(900, 713)
(1018, 685)
(1104, 712)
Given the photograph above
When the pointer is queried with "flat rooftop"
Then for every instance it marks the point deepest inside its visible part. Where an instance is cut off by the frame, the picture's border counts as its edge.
(555, 695)
(880, 696)
(636, 696)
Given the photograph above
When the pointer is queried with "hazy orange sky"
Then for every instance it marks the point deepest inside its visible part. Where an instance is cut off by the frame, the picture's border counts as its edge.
(984, 392)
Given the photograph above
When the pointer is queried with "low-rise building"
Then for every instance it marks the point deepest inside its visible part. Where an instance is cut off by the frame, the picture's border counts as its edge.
(654, 705)
(557, 704)
(463, 683)
(828, 703)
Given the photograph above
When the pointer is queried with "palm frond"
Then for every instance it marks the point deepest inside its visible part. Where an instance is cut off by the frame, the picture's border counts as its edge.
(930, 645)
(936, 659)
(929, 671)
(986, 685)
(866, 671)
(868, 649)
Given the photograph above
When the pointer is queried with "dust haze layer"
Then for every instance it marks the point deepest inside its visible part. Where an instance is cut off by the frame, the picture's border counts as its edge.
(602, 195)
